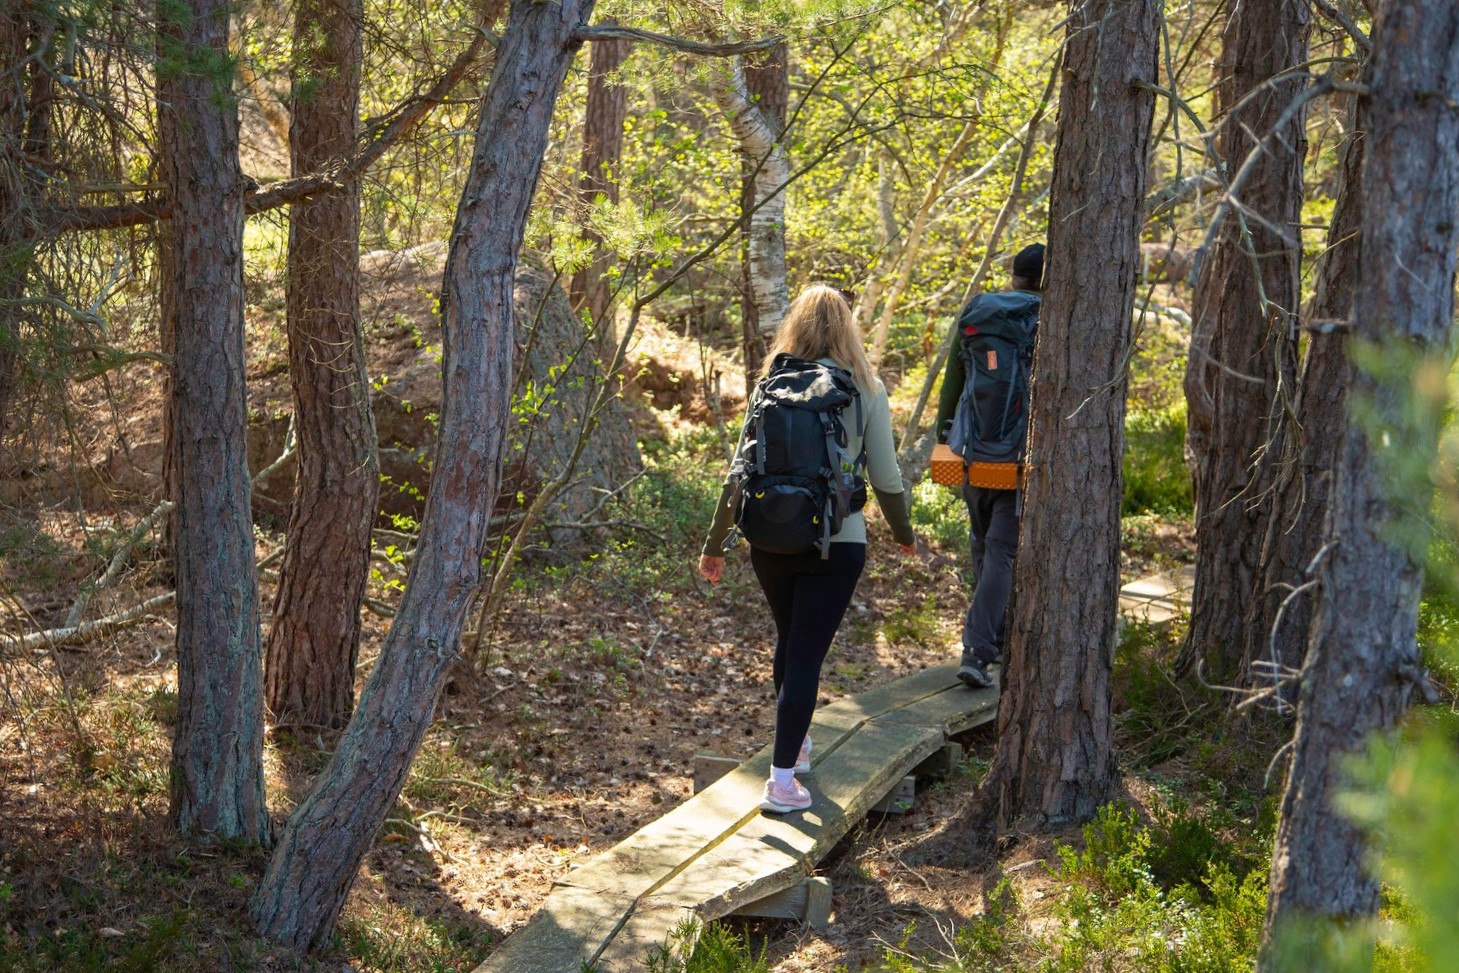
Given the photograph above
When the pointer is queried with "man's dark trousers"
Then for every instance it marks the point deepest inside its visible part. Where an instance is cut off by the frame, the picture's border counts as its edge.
(993, 537)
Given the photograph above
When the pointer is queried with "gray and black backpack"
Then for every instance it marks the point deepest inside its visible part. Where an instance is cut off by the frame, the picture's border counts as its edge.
(997, 338)
(797, 482)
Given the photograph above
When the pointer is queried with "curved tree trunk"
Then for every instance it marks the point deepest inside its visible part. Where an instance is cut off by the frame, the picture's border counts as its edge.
(1241, 368)
(767, 169)
(1295, 518)
(1362, 659)
(602, 149)
(314, 641)
(320, 849)
(217, 749)
(1054, 762)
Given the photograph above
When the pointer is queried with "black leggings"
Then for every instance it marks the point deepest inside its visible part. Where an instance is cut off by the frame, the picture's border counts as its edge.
(808, 597)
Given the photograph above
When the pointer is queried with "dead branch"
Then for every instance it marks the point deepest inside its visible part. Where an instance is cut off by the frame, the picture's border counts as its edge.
(603, 32)
(118, 561)
(91, 631)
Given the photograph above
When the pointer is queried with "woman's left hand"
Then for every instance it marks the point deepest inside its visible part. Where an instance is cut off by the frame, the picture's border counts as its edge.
(711, 568)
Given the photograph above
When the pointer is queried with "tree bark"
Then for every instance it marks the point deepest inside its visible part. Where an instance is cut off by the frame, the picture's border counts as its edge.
(314, 642)
(217, 753)
(602, 149)
(758, 124)
(1054, 761)
(1277, 629)
(320, 849)
(1241, 368)
(25, 101)
(1362, 658)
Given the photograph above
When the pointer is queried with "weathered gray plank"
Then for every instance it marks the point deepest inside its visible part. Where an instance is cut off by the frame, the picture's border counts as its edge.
(950, 711)
(772, 852)
(571, 926)
(893, 695)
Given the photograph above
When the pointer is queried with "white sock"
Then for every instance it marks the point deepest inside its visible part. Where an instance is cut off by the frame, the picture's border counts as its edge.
(782, 775)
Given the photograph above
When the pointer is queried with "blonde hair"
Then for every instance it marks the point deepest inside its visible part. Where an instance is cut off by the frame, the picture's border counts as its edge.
(819, 325)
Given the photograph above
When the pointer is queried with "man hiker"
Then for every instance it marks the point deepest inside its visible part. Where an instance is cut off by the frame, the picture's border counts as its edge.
(982, 414)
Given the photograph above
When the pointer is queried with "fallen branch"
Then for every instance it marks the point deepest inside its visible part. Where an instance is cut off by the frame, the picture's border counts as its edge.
(91, 631)
(118, 561)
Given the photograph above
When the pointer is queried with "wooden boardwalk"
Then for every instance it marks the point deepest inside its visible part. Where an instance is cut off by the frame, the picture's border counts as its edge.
(716, 854)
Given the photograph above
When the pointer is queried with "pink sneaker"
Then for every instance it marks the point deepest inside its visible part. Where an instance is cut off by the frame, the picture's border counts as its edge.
(783, 800)
(803, 762)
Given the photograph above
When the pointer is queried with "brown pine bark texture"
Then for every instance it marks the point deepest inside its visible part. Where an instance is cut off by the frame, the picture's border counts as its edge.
(1362, 658)
(13, 270)
(1242, 363)
(314, 642)
(1054, 761)
(1277, 629)
(320, 848)
(602, 149)
(217, 753)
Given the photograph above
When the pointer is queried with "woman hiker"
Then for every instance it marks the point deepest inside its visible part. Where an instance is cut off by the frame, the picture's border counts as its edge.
(809, 592)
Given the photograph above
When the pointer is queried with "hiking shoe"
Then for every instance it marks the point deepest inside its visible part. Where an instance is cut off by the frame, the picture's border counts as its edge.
(803, 762)
(783, 800)
(974, 674)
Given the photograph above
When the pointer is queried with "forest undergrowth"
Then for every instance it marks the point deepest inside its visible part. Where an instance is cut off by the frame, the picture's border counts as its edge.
(575, 722)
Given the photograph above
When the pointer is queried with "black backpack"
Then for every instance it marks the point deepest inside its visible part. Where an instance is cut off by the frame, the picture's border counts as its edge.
(997, 336)
(796, 482)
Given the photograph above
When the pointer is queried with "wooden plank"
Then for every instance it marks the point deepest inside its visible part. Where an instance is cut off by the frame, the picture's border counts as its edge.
(571, 926)
(808, 902)
(773, 852)
(643, 861)
(950, 711)
(653, 929)
(710, 767)
(892, 696)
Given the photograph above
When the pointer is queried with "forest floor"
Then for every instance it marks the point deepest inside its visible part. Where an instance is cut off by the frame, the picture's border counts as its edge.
(572, 724)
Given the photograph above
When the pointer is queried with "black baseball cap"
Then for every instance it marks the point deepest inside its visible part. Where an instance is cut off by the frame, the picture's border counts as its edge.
(1028, 263)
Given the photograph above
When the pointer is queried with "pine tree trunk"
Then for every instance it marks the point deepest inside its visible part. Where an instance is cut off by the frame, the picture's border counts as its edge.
(320, 849)
(314, 642)
(217, 754)
(1277, 629)
(1362, 659)
(602, 148)
(1241, 367)
(14, 260)
(1054, 761)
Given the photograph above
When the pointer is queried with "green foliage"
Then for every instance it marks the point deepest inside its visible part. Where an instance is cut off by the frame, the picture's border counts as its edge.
(713, 948)
(939, 514)
(1156, 476)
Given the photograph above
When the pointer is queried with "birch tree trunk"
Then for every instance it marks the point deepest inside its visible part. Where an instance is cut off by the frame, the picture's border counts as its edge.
(758, 134)
(1362, 659)
(315, 639)
(1241, 367)
(1054, 761)
(602, 149)
(217, 749)
(320, 849)
(1281, 614)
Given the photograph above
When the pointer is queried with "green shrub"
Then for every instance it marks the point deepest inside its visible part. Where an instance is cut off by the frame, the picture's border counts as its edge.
(1156, 476)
